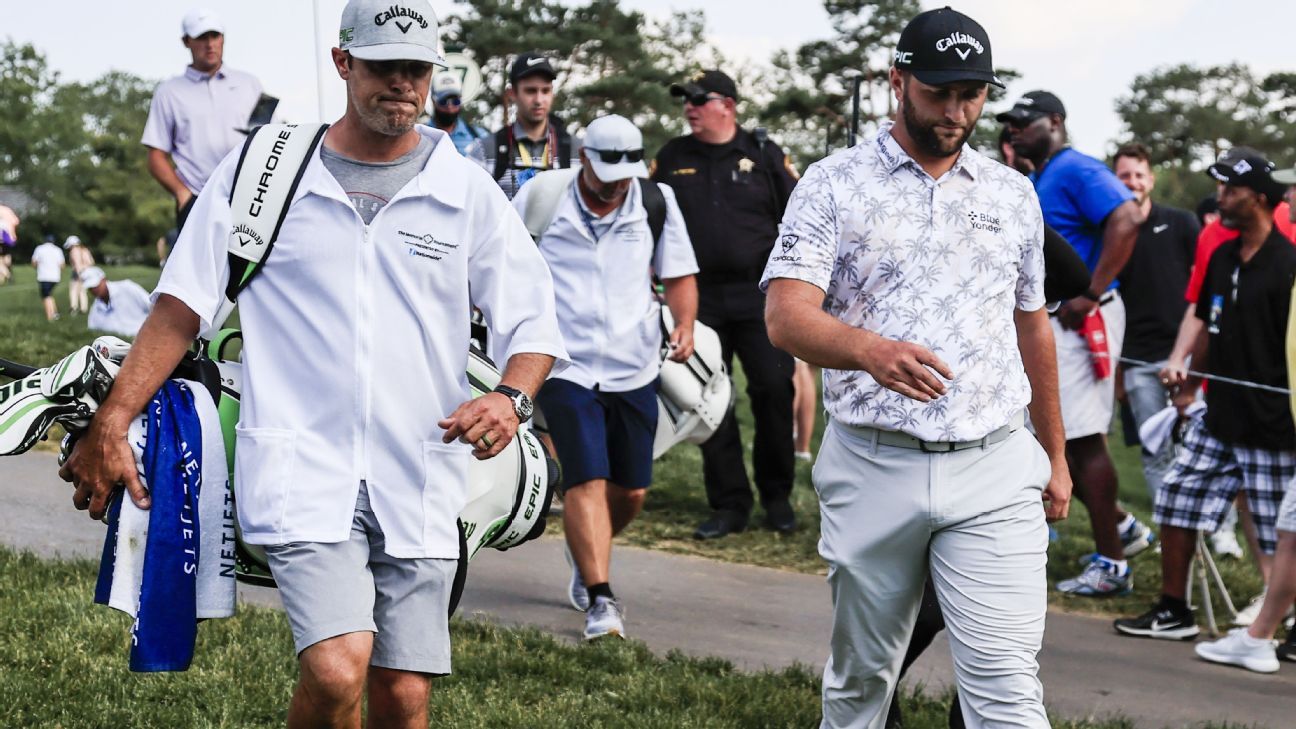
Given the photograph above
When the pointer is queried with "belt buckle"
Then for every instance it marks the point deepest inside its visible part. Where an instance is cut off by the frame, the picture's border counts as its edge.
(936, 447)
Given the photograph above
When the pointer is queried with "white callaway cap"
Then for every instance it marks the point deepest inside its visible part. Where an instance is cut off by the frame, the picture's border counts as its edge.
(609, 134)
(199, 21)
(380, 30)
(92, 277)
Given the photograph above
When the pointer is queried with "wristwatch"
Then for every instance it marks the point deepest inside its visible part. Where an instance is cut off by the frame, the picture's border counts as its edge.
(522, 404)
(1089, 294)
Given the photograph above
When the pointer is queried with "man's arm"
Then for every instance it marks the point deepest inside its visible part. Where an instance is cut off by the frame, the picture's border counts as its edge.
(492, 414)
(159, 165)
(1176, 369)
(798, 325)
(1035, 340)
(682, 298)
(102, 458)
(1186, 393)
(1119, 234)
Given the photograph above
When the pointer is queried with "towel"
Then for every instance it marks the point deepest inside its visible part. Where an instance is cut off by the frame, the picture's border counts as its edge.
(173, 564)
(1156, 429)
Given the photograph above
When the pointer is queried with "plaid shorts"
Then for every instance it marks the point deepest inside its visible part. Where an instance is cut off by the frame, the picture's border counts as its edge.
(1205, 478)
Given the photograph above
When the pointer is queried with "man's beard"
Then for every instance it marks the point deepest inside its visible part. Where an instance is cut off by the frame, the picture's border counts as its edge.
(382, 122)
(443, 118)
(924, 135)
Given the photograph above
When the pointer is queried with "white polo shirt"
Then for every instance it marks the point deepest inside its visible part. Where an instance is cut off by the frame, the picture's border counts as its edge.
(942, 263)
(609, 318)
(49, 261)
(124, 313)
(195, 118)
(356, 344)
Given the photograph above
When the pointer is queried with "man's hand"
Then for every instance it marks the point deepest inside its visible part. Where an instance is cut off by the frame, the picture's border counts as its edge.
(681, 343)
(1072, 314)
(1057, 495)
(182, 198)
(100, 462)
(487, 423)
(1173, 374)
(906, 368)
(1184, 396)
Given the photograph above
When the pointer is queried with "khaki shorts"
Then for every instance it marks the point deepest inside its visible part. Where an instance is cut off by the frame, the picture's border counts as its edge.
(331, 589)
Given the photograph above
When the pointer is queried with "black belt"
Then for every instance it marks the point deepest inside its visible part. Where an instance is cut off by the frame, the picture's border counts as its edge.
(898, 439)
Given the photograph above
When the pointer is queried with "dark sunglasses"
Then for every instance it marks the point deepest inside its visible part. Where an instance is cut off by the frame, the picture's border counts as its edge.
(612, 156)
(451, 101)
(701, 99)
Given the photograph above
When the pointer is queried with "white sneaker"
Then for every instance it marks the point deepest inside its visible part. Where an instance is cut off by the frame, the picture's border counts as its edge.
(1225, 543)
(1239, 649)
(804, 456)
(605, 617)
(1247, 615)
(576, 593)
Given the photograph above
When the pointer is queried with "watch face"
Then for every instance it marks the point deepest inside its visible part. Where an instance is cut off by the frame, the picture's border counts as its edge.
(522, 403)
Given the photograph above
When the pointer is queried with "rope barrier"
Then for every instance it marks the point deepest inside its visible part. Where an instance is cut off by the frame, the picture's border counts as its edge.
(1214, 378)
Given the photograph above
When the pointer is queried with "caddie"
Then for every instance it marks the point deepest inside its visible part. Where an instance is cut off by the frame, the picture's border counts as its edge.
(928, 318)
(602, 247)
(355, 430)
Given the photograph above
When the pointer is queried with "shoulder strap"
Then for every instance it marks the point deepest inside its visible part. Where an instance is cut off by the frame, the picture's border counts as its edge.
(270, 167)
(654, 203)
(503, 155)
(544, 192)
(564, 145)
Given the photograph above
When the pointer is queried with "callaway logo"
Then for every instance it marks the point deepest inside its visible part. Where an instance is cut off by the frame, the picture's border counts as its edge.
(1159, 228)
(397, 11)
(246, 236)
(789, 241)
(956, 39)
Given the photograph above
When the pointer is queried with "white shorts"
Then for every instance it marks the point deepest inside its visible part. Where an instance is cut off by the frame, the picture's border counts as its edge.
(1287, 511)
(1086, 401)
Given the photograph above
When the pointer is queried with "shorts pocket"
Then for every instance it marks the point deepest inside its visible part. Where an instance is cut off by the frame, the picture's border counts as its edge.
(263, 470)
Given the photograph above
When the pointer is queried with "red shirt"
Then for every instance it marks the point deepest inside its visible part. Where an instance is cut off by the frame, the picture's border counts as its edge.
(1214, 234)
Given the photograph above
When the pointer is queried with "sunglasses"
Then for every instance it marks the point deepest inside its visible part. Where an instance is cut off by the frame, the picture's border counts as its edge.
(702, 99)
(451, 101)
(612, 156)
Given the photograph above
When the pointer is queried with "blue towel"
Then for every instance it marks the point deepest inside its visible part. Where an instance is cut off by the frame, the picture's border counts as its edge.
(166, 625)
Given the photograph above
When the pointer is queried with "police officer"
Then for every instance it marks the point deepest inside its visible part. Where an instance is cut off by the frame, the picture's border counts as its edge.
(732, 186)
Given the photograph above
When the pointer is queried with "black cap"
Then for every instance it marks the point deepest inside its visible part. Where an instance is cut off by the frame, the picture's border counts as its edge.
(531, 63)
(706, 82)
(1248, 169)
(944, 46)
(1031, 106)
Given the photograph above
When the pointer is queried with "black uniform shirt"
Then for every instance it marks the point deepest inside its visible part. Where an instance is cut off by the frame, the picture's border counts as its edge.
(732, 197)
(1153, 282)
(1244, 306)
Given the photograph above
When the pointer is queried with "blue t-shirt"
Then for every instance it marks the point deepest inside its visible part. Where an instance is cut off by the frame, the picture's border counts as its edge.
(1076, 194)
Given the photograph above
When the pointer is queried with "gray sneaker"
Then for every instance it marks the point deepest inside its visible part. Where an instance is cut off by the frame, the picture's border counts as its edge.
(1097, 581)
(1239, 649)
(604, 617)
(576, 593)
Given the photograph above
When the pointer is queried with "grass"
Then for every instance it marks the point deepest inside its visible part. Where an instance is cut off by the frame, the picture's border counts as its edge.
(64, 665)
(677, 502)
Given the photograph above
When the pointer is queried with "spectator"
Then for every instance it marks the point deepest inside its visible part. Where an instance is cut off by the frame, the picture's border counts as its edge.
(536, 141)
(80, 258)
(8, 240)
(120, 307)
(732, 186)
(1207, 210)
(1246, 439)
(196, 118)
(602, 410)
(447, 111)
(1084, 201)
(49, 263)
(165, 244)
(805, 401)
(1152, 283)
(924, 466)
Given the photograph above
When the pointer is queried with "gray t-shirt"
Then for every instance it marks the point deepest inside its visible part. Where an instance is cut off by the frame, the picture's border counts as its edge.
(370, 185)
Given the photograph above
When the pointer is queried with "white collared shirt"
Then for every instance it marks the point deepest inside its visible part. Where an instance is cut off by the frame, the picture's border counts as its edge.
(609, 317)
(941, 263)
(124, 313)
(196, 118)
(49, 261)
(356, 344)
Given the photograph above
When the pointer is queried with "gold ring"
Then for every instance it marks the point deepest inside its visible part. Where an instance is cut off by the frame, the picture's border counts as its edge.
(484, 442)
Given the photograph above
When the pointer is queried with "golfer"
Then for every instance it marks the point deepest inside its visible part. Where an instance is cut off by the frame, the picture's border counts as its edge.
(355, 436)
(910, 268)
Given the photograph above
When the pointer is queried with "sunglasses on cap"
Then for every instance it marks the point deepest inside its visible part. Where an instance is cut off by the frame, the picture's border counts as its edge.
(451, 101)
(702, 99)
(613, 156)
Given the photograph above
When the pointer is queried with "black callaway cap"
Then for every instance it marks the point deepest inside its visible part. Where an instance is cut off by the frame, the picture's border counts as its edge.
(1031, 106)
(1250, 170)
(944, 46)
(706, 82)
(531, 64)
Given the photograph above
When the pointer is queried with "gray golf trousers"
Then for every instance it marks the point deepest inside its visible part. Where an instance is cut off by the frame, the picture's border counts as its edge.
(976, 519)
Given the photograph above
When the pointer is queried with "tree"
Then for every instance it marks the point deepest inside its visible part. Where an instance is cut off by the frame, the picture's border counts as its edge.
(1188, 115)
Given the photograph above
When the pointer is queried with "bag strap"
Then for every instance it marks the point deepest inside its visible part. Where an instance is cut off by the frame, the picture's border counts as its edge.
(270, 168)
(544, 192)
(654, 202)
(503, 150)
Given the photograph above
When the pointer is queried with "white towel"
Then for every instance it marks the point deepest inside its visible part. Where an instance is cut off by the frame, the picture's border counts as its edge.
(1156, 429)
